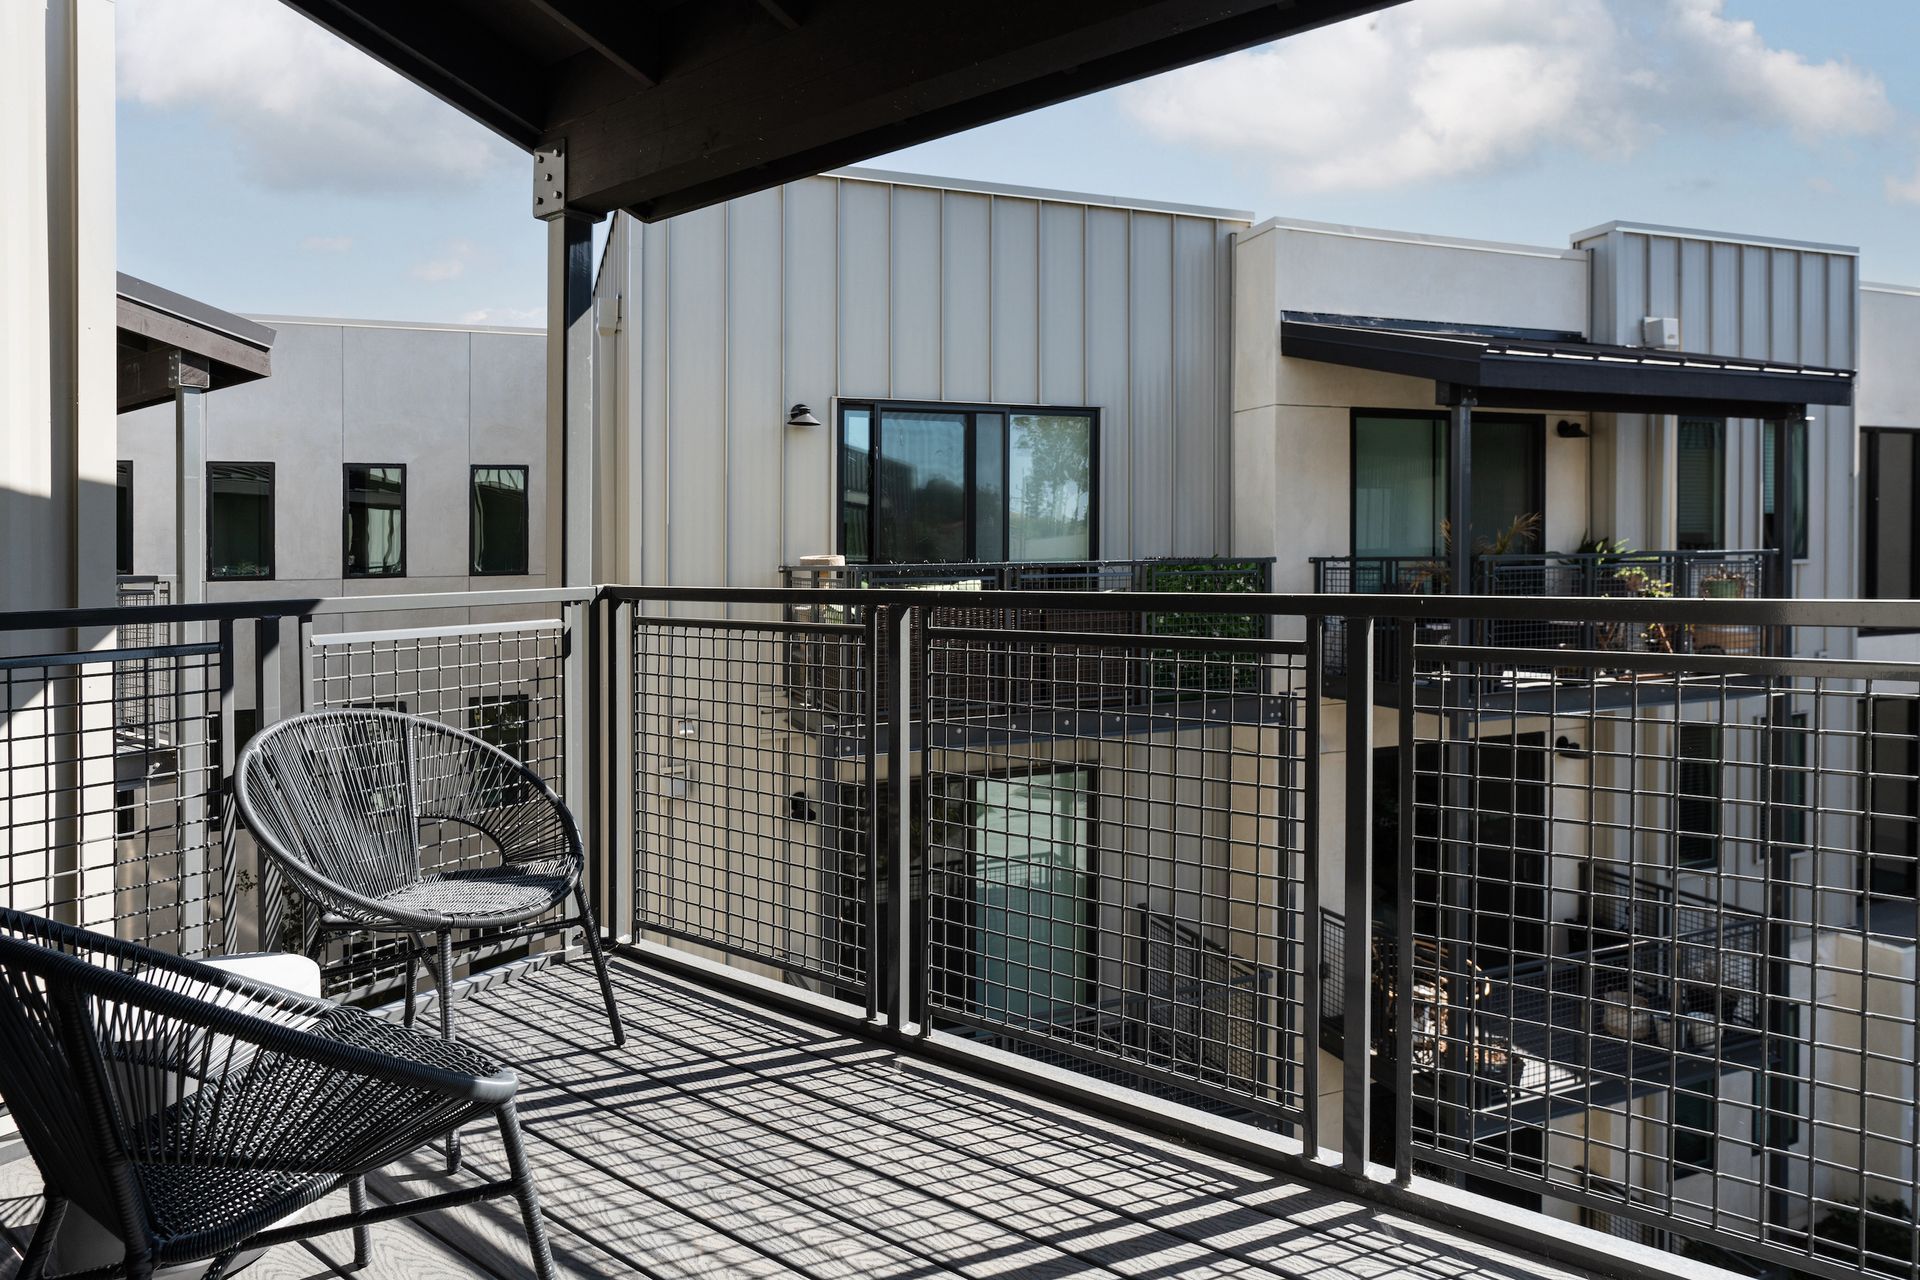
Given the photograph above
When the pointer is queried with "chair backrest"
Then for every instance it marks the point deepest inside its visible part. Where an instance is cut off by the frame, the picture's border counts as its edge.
(332, 795)
(339, 799)
(53, 1073)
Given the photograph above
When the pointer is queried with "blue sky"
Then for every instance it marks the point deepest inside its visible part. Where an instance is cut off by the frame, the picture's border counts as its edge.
(267, 168)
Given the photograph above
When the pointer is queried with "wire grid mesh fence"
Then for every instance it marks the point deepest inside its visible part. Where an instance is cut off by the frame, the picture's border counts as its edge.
(143, 685)
(748, 829)
(113, 810)
(1686, 575)
(1113, 859)
(1662, 924)
(502, 682)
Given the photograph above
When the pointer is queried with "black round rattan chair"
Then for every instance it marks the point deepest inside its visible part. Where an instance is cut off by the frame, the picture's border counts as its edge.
(346, 803)
(187, 1110)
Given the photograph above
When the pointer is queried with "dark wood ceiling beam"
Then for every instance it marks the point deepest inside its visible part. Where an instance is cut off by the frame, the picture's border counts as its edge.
(433, 43)
(862, 77)
(624, 33)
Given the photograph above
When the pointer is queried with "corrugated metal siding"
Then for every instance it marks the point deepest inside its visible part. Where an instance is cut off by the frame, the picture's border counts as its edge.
(846, 287)
(1735, 298)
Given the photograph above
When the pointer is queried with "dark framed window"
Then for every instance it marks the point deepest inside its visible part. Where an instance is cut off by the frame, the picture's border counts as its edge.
(239, 520)
(505, 721)
(1400, 481)
(1797, 459)
(1700, 485)
(1782, 1097)
(1695, 1127)
(946, 482)
(497, 521)
(375, 544)
(123, 517)
(1891, 776)
(1697, 797)
(1889, 477)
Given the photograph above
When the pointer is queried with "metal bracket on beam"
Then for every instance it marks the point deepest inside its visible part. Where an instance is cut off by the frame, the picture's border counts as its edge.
(550, 181)
(188, 371)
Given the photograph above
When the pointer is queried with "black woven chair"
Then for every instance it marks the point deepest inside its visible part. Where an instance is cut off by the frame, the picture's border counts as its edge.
(187, 1109)
(346, 803)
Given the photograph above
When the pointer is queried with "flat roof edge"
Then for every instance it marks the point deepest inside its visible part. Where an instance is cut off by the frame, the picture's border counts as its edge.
(861, 173)
(344, 322)
(1722, 237)
(202, 315)
(1881, 286)
(1415, 237)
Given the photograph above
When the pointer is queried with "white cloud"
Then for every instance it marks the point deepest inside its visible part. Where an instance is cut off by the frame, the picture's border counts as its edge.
(1448, 88)
(507, 317)
(450, 265)
(306, 111)
(326, 244)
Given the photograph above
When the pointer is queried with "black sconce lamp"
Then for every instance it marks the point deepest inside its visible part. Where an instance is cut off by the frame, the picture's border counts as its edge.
(1567, 749)
(1568, 429)
(801, 416)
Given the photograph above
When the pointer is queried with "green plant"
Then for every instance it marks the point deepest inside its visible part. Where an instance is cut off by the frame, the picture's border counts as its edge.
(1437, 574)
(1639, 580)
(1187, 670)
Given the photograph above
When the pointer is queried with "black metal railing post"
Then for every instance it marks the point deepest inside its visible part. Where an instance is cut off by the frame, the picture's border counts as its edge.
(1356, 1113)
(896, 973)
(1313, 935)
(871, 673)
(1404, 891)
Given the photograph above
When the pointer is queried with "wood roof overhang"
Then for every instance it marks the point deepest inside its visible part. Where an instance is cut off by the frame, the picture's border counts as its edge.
(1512, 369)
(669, 105)
(158, 327)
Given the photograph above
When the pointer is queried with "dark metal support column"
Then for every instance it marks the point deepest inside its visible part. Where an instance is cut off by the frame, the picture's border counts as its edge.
(1785, 516)
(1356, 1115)
(1460, 401)
(570, 529)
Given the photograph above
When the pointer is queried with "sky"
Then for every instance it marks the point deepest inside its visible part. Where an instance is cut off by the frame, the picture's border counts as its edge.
(268, 168)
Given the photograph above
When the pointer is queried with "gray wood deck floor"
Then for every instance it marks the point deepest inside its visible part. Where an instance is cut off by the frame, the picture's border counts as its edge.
(727, 1141)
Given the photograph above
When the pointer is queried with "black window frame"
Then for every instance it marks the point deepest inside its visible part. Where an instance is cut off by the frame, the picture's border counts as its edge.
(1800, 458)
(346, 519)
(1445, 420)
(273, 523)
(973, 410)
(123, 516)
(512, 734)
(473, 522)
(1877, 483)
(1695, 1148)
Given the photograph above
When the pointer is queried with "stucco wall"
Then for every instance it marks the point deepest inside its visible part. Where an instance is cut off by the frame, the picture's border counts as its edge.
(437, 399)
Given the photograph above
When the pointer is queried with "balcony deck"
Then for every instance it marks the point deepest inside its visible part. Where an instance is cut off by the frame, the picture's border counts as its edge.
(728, 1140)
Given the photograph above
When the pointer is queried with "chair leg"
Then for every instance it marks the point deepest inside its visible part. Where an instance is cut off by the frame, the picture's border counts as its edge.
(218, 1271)
(524, 1192)
(34, 1265)
(413, 977)
(444, 979)
(600, 966)
(362, 1239)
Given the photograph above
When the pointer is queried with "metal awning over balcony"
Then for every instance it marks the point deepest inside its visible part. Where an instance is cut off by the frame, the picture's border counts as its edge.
(1514, 369)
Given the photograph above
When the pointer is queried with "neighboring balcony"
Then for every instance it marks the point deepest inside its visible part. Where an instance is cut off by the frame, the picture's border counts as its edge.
(1106, 656)
(1625, 575)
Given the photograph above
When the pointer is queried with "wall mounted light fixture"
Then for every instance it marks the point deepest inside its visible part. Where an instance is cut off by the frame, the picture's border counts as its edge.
(1568, 429)
(801, 416)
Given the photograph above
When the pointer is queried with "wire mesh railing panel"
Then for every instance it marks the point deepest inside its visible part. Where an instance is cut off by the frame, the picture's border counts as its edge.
(748, 832)
(1662, 934)
(1112, 860)
(142, 685)
(112, 809)
(503, 683)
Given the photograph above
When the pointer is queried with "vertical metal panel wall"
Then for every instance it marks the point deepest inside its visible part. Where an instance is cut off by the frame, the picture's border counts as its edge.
(873, 286)
(1777, 300)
